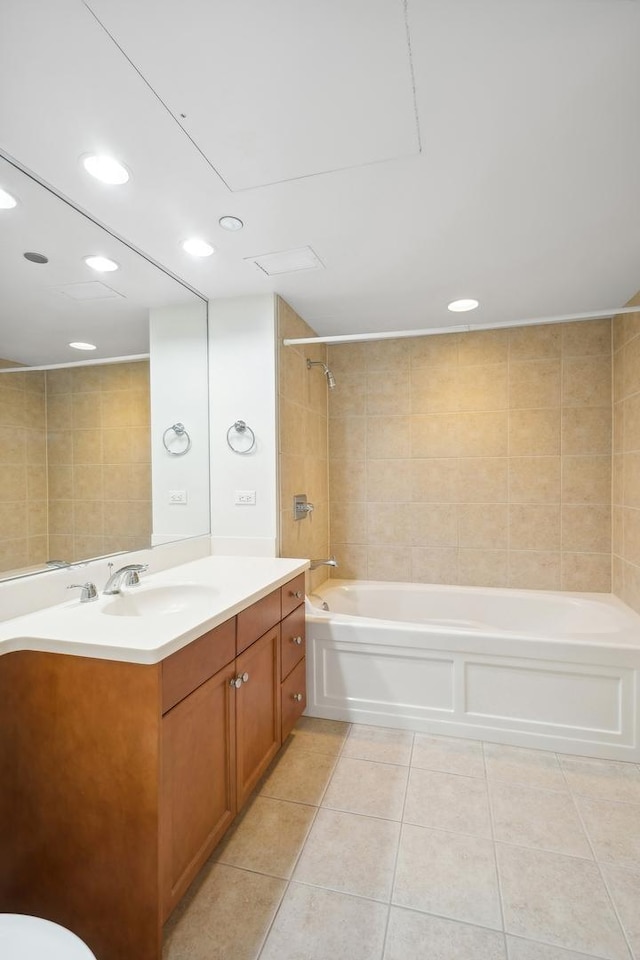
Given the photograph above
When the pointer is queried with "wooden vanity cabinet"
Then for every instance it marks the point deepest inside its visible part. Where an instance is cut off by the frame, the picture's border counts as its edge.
(257, 711)
(293, 689)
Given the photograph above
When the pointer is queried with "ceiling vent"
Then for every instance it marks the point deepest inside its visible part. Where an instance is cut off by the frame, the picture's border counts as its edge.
(92, 290)
(287, 261)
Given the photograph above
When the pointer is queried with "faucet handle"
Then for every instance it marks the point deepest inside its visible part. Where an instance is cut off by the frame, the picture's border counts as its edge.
(89, 591)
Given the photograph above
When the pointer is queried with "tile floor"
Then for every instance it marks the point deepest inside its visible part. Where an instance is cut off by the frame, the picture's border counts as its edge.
(370, 844)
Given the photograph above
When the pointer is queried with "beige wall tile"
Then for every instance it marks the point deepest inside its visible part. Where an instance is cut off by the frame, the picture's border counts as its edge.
(38, 548)
(586, 528)
(586, 430)
(36, 446)
(535, 343)
(483, 346)
(483, 479)
(586, 381)
(483, 387)
(352, 559)
(434, 565)
(618, 428)
(432, 525)
(534, 384)
(435, 390)
(631, 585)
(534, 569)
(36, 482)
(88, 518)
(349, 398)
(37, 514)
(87, 446)
(13, 520)
(586, 479)
(390, 523)
(348, 479)
(618, 464)
(87, 482)
(86, 411)
(14, 554)
(89, 379)
(617, 576)
(483, 568)
(58, 381)
(617, 531)
(12, 413)
(388, 437)
(347, 438)
(534, 433)
(631, 534)
(60, 516)
(588, 572)
(435, 436)
(388, 355)
(630, 493)
(534, 526)
(13, 444)
(483, 525)
(435, 481)
(627, 369)
(348, 522)
(60, 446)
(631, 414)
(389, 479)
(388, 393)
(436, 350)
(586, 337)
(347, 356)
(60, 482)
(293, 375)
(483, 434)
(86, 546)
(534, 479)
(617, 375)
(388, 563)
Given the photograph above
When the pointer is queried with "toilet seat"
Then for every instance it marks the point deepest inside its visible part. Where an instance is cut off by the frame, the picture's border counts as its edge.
(31, 938)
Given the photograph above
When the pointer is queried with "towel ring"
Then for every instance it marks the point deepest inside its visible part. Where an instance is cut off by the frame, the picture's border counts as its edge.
(179, 430)
(238, 433)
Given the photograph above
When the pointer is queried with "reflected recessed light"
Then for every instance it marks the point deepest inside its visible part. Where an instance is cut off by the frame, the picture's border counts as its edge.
(106, 169)
(231, 223)
(78, 345)
(198, 248)
(101, 264)
(461, 306)
(7, 202)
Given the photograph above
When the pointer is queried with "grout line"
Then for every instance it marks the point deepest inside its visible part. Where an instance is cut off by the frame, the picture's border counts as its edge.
(495, 851)
(397, 856)
(595, 860)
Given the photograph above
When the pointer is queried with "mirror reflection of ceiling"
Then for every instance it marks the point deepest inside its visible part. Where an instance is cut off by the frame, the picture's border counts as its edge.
(523, 195)
(39, 310)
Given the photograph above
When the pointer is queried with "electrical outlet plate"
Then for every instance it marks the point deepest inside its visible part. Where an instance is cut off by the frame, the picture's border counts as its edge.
(177, 496)
(245, 497)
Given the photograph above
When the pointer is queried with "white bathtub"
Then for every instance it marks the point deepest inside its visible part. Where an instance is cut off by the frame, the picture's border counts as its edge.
(555, 671)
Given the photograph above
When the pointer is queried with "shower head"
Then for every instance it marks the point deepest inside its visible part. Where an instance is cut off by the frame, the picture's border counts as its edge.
(331, 380)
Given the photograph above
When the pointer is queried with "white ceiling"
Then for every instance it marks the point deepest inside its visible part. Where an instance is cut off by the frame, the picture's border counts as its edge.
(525, 193)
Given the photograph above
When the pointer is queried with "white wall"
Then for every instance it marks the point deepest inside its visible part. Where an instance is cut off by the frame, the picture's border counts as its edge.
(242, 386)
(179, 394)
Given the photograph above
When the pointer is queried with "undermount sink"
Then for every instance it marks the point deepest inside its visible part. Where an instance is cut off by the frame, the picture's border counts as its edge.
(158, 601)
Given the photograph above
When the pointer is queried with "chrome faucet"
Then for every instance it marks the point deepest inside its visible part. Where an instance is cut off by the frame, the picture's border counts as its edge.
(89, 591)
(125, 577)
(331, 562)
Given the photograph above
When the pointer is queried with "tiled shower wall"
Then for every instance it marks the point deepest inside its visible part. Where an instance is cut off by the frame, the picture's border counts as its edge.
(23, 465)
(302, 416)
(481, 458)
(99, 460)
(626, 456)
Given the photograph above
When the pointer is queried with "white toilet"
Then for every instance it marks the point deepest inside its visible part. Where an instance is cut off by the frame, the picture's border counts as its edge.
(30, 938)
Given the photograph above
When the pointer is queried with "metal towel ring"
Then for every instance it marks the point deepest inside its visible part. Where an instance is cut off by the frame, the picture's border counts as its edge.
(238, 432)
(179, 430)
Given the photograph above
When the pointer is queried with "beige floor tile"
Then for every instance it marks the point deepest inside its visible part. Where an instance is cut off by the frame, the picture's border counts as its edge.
(319, 736)
(624, 887)
(447, 874)
(530, 817)
(530, 950)
(532, 768)
(372, 789)
(448, 801)
(558, 900)
(206, 925)
(449, 754)
(409, 933)
(316, 924)
(378, 743)
(613, 828)
(269, 837)
(602, 779)
(350, 854)
(298, 775)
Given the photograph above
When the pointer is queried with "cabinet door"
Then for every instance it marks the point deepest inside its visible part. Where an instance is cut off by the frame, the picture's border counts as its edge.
(292, 646)
(198, 781)
(294, 697)
(257, 711)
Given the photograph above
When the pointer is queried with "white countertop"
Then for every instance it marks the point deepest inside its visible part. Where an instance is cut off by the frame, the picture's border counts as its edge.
(83, 630)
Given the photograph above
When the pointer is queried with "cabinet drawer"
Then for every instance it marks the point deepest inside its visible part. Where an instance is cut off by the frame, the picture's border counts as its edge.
(293, 687)
(186, 669)
(257, 619)
(292, 594)
(292, 641)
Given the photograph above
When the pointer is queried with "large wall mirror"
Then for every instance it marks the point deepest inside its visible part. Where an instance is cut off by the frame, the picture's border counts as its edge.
(90, 464)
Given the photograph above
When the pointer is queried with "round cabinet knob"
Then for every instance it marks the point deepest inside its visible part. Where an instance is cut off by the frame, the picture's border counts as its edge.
(297, 696)
(244, 678)
(297, 641)
(235, 682)
(298, 594)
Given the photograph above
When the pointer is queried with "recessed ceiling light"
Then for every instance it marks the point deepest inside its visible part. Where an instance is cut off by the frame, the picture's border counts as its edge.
(7, 202)
(461, 306)
(78, 345)
(231, 223)
(106, 169)
(35, 257)
(101, 264)
(197, 247)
